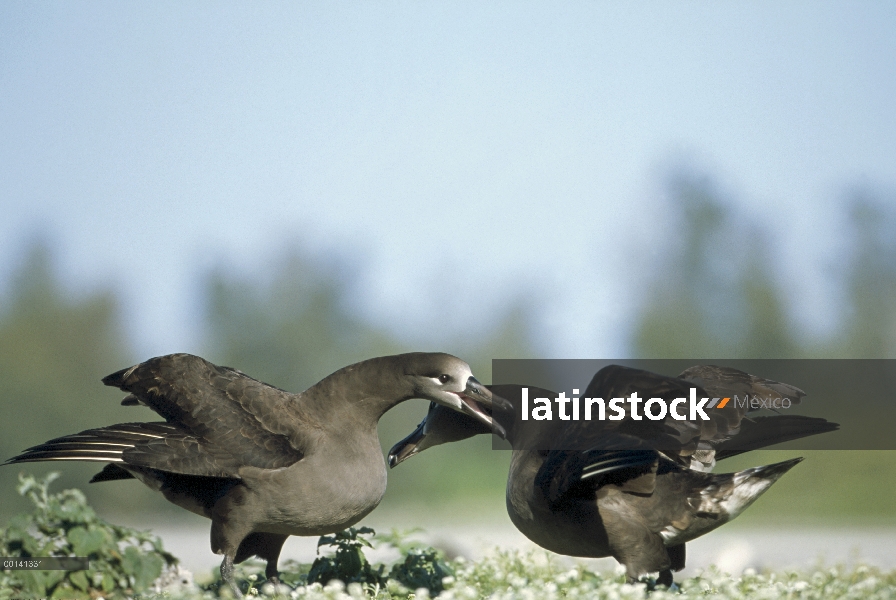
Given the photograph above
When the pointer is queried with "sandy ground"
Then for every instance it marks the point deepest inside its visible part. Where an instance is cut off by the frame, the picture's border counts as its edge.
(732, 550)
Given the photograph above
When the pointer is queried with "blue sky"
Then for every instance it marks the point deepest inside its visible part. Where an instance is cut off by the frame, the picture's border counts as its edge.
(455, 154)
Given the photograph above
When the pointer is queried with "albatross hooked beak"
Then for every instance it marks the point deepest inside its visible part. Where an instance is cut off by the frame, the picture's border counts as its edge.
(407, 447)
(478, 402)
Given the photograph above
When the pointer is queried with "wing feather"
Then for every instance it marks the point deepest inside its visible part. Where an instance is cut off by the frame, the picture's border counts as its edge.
(228, 418)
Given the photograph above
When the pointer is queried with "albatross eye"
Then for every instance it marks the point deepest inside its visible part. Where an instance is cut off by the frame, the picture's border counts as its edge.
(444, 378)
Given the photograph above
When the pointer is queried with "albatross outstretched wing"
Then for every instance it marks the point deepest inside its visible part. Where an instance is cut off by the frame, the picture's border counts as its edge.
(218, 420)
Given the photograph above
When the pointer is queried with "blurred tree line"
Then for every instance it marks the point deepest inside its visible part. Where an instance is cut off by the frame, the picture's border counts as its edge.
(718, 294)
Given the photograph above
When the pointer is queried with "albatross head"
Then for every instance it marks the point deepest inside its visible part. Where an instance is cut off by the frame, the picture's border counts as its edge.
(447, 380)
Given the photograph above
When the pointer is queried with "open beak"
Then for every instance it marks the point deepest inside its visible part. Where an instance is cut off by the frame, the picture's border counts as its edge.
(407, 447)
(478, 402)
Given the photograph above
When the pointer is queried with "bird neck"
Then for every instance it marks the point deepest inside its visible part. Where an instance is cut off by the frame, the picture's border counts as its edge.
(360, 393)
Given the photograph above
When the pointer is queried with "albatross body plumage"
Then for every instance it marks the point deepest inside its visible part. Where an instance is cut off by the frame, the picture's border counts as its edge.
(636, 490)
(260, 462)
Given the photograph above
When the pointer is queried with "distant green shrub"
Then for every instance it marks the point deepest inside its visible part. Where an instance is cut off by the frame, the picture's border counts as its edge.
(123, 561)
(417, 568)
(348, 563)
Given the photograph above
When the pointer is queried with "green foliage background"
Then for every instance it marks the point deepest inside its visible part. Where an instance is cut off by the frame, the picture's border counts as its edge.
(715, 294)
(122, 560)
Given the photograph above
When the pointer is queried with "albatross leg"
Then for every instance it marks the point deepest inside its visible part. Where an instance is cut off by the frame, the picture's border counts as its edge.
(677, 559)
(677, 555)
(639, 549)
(227, 575)
(675, 563)
(266, 546)
(226, 535)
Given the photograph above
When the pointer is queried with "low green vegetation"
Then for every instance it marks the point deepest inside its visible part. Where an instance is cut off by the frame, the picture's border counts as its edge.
(123, 561)
(129, 564)
(343, 560)
(537, 575)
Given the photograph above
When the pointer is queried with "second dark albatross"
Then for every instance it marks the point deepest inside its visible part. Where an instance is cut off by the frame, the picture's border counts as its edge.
(260, 462)
(635, 490)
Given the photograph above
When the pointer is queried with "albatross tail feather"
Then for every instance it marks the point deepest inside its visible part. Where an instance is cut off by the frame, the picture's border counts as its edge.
(751, 483)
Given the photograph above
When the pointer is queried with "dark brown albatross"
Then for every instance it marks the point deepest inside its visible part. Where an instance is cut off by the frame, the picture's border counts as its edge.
(631, 489)
(260, 462)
